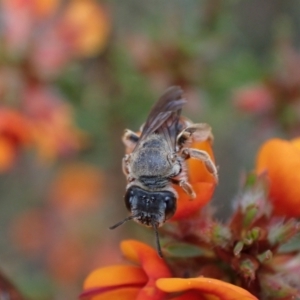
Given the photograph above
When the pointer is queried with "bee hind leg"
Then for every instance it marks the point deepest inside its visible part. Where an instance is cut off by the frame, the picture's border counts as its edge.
(203, 156)
(182, 180)
(130, 140)
(195, 133)
(187, 188)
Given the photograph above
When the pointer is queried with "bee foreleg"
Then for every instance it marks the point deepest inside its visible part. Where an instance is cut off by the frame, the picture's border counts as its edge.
(125, 167)
(203, 156)
(130, 140)
(195, 133)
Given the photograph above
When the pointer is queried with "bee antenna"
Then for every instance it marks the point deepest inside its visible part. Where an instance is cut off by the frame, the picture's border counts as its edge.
(122, 222)
(158, 247)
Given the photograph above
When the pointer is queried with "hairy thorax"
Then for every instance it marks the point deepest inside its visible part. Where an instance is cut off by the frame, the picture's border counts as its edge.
(152, 162)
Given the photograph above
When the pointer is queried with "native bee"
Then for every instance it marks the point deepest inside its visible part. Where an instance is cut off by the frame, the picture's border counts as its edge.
(156, 160)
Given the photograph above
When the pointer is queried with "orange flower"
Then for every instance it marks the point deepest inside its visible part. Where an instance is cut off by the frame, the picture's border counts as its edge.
(281, 160)
(128, 281)
(150, 279)
(203, 288)
(202, 182)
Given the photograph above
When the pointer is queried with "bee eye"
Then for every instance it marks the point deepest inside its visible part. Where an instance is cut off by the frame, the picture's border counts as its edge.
(154, 204)
(170, 202)
(130, 194)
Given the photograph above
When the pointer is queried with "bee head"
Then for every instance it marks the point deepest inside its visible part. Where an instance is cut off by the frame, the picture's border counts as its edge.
(150, 207)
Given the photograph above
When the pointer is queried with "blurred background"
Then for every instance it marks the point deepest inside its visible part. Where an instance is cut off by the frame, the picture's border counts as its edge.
(74, 74)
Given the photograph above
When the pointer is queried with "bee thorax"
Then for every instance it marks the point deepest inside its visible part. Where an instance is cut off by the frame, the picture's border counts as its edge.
(151, 163)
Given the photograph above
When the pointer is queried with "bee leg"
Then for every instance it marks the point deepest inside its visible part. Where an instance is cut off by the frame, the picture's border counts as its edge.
(130, 140)
(203, 156)
(182, 180)
(187, 188)
(125, 167)
(195, 133)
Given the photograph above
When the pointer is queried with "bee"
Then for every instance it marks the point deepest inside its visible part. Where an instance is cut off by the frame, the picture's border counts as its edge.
(156, 160)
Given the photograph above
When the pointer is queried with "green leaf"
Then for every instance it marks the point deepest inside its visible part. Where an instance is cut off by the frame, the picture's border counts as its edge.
(250, 180)
(186, 250)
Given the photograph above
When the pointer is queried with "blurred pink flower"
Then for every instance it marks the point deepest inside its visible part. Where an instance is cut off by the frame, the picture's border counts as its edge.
(253, 99)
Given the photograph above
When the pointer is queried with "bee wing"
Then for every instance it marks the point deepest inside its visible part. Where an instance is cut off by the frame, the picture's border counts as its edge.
(164, 116)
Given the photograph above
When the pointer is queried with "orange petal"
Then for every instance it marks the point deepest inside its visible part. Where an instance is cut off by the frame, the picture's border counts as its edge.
(216, 289)
(120, 294)
(281, 160)
(191, 295)
(187, 206)
(154, 266)
(115, 276)
(296, 143)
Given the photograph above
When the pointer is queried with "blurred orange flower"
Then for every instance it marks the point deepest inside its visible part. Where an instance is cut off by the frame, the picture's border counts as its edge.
(45, 123)
(57, 135)
(76, 189)
(51, 121)
(202, 181)
(86, 26)
(281, 160)
(52, 125)
(128, 281)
